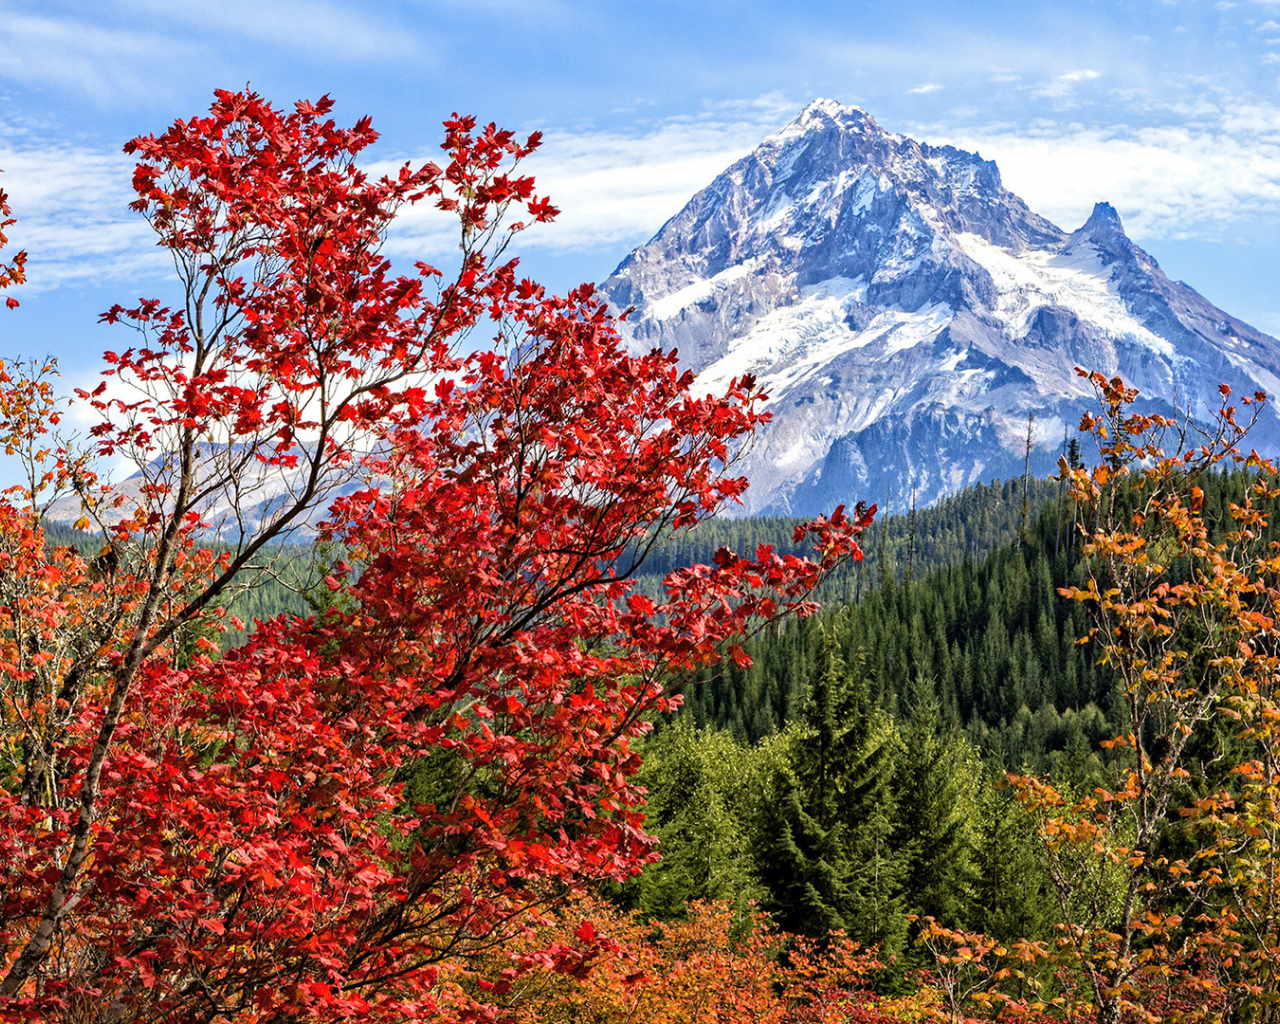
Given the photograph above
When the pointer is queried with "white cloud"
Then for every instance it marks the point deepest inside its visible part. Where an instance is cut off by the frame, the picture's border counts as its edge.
(526, 9)
(921, 90)
(99, 62)
(1219, 164)
(616, 189)
(1065, 83)
(71, 204)
(152, 47)
(1002, 74)
(1166, 182)
(307, 26)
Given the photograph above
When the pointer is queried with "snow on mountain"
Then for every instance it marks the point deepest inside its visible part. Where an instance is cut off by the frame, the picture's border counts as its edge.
(260, 495)
(907, 314)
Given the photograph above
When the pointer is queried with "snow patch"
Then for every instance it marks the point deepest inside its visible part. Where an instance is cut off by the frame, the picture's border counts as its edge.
(796, 343)
(775, 215)
(865, 193)
(1077, 281)
(672, 305)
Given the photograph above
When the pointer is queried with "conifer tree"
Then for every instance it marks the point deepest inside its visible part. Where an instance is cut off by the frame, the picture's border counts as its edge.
(936, 782)
(803, 860)
(1011, 892)
(827, 855)
(703, 843)
(870, 806)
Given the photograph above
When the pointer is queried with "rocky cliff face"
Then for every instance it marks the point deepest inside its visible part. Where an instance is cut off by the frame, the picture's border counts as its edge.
(907, 315)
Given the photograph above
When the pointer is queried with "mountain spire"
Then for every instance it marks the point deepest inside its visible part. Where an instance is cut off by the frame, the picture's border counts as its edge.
(1103, 219)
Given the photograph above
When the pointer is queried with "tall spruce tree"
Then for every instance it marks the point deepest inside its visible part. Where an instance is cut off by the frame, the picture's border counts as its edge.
(937, 778)
(803, 858)
(827, 858)
(877, 866)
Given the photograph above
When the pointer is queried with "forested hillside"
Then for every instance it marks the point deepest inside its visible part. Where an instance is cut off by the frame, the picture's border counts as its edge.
(972, 523)
(991, 634)
(855, 773)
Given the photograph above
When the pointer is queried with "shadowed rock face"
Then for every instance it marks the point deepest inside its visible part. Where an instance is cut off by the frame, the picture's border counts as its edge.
(907, 315)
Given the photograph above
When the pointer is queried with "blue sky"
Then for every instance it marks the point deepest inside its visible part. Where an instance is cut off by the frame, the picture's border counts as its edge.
(1169, 110)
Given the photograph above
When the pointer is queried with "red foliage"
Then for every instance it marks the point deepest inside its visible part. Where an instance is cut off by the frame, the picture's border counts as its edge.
(15, 271)
(310, 827)
(698, 969)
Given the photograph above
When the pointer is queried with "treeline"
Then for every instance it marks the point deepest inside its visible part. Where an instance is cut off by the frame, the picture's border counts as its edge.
(999, 645)
(973, 522)
(995, 641)
(279, 585)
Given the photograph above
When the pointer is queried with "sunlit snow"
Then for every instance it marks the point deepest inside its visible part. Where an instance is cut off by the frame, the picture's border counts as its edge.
(671, 305)
(796, 343)
(1076, 280)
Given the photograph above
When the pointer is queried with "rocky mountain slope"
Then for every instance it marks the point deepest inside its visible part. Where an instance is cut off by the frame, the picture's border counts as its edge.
(907, 315)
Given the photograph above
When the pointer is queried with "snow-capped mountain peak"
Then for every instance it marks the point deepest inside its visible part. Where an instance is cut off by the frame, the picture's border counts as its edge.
(907, 314)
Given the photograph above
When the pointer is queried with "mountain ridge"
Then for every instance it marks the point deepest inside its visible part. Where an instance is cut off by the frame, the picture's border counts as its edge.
(907, 314)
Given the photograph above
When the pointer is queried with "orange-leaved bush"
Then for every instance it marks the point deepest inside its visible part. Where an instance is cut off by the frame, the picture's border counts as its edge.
(1165, 877)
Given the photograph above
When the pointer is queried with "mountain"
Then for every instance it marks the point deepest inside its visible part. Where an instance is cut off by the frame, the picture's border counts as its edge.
(260, 495)
(907, 315)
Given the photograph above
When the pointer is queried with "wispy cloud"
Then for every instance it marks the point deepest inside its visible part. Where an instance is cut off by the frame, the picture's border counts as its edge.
(103, 63)
(312, 27)
(617, 189)
(1218, 165)
(1065, 83)
(527, 9)
(1167, 182)
(148, 49)
(921, 90)
(72, 209)
(614, 189)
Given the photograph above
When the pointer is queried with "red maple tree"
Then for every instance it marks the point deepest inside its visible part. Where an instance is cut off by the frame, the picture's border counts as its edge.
(308, 827)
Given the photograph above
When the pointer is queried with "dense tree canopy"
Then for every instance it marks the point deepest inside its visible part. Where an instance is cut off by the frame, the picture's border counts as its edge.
(310, 826)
